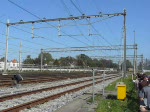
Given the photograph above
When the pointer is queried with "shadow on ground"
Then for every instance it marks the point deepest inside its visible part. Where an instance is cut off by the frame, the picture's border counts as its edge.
(111, 97)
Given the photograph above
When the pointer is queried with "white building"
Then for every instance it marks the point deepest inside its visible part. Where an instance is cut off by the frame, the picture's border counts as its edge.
(10, 65)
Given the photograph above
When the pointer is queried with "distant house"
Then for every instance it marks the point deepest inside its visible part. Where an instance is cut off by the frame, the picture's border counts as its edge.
(1, 64)
(12, 64)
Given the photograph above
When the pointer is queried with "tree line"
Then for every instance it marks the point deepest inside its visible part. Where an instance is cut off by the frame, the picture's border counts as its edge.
(81, 60)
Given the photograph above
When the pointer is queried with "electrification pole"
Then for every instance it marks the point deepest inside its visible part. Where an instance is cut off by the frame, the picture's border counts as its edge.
(136, 67)
(134, 55)
(20, 55)
(142, 63)
(93, 95)
(6, 52)
(41, 59)
(124, 64)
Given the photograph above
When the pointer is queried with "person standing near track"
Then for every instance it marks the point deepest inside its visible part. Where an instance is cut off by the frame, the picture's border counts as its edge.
(145, 94)
(144, 82)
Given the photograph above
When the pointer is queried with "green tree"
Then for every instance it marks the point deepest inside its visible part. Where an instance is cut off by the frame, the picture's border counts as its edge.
(47, 58)
(2, 59)
(103, 63)
(56, 62)
(128, 64)
(84, 60)
(95, 63)
(67, 61)
(28, 60)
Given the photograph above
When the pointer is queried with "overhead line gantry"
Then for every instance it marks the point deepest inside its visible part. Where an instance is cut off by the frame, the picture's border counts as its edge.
(87, 48)
(118, 57)
(68, 18)
(100, 15)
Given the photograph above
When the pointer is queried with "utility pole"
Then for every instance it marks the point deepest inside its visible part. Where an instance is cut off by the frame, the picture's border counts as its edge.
(136, 70)
(41, 59)
(93, 95)
(20, 56)
(124, 64)
(6, 52)
(134, 55)
(142, 59)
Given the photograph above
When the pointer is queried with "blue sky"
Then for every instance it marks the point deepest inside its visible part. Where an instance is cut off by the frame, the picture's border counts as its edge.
(110, 29)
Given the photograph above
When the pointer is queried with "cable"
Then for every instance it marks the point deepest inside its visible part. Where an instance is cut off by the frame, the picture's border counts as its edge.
(40, 36)
(73, 20)
(94, 3)
(86, 19)
(23, 9)
(23, 45)
(40, 18)
(24, 40)
(88, 22)
(55, 27)
(71, 14)
(20, 38)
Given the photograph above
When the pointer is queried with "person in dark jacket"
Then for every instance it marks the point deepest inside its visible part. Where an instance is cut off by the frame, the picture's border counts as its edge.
(16, 80)
(143, 83)
(145, 94)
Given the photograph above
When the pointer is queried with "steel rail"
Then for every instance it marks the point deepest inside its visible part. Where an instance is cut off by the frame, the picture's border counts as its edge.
(46, 99)
(38, 91)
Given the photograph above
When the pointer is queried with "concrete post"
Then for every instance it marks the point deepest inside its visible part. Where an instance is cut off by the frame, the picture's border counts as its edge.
(6, 53)
(93, 95)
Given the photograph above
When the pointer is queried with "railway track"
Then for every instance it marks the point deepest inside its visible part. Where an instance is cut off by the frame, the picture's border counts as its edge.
(28, 81)
(51, 97)
(7, 81)
(8, 97)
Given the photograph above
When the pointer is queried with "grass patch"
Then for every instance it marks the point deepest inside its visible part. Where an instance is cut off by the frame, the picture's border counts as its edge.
(147, 73)
(111, 104)
(112, 86)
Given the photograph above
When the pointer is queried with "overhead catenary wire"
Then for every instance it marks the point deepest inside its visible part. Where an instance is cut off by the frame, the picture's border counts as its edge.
(34, 16)
(82, 14)
(54, 26)
(15, 45)
(39, 36)
(25, 47)
(24, 40)
(88, 22)
(77, 39)
(98, 8)
(67, 9)
(79, 9)
(29, 41)
(73, 20)
(45, 22)
(13, 52)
